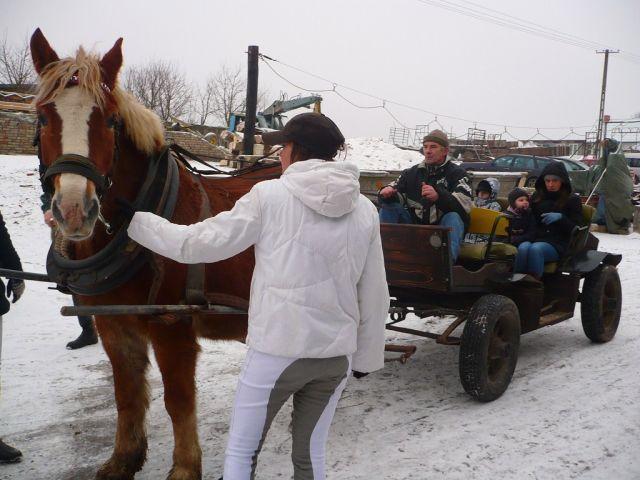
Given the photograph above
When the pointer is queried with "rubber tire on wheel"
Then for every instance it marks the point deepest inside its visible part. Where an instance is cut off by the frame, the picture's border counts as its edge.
(489, 347)
(601, 304)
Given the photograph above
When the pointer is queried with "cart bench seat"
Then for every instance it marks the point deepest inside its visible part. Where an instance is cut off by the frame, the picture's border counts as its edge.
(478, 251)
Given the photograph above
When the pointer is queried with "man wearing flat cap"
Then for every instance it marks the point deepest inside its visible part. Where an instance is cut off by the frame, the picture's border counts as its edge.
(434, 192)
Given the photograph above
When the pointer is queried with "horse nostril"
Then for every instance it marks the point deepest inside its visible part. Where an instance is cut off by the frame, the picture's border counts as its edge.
(94, 210)
(57, 214)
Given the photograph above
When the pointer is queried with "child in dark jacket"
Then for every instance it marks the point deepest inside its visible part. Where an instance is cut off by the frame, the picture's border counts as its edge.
(522, 224)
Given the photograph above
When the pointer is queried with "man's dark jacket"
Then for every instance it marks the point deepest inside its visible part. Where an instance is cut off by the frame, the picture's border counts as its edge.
(8, 259)
(565, 202)
(449, 180)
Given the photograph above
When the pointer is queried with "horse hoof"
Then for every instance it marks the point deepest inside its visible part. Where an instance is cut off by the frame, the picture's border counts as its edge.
(119, 469)
(107, 472)
(181, 473)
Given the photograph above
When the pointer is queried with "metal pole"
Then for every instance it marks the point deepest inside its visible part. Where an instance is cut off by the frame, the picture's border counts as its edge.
(79, 310)
(18, 274)
(252, 100)
(603, 93)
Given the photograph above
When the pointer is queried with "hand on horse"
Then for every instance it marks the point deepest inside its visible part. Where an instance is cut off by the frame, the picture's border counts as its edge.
(550, 217)
(48, 219)
(359, 375)
(15, 286)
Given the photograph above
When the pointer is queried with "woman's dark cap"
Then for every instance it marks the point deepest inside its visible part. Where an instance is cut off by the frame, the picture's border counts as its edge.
(314, 131)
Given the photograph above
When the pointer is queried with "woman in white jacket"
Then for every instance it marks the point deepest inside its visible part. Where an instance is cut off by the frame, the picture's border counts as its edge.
(319, 296)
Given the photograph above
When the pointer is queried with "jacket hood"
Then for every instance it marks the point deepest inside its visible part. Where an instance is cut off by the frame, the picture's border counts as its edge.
(554, 168)
(494, 187)
(329, 188)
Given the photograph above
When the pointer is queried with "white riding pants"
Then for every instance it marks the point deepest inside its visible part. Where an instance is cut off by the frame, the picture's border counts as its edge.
(265, 384)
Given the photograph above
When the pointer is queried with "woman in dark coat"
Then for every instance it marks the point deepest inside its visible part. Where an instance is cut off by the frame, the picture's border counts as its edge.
(8, 259)
(556, 211)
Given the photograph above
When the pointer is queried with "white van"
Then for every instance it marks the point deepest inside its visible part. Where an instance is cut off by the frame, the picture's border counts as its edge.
(633, 160)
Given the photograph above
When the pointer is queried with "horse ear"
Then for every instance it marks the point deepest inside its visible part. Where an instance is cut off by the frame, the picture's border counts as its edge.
(41, 52)
(111, 63)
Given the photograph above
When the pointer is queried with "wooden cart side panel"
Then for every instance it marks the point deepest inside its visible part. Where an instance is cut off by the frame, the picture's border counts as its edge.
(416, 256)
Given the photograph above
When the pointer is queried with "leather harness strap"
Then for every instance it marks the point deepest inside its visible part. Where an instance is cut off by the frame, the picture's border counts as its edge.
(121, 258)
(196, 273)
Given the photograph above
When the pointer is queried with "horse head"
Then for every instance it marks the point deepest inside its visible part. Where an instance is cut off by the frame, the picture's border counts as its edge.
(78, 121)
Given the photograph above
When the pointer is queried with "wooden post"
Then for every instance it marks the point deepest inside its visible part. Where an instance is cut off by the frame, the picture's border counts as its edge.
(252, 99)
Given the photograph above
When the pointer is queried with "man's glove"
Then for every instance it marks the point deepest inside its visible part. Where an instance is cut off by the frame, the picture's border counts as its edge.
(359, 374)
(551, 217)
(16, 287)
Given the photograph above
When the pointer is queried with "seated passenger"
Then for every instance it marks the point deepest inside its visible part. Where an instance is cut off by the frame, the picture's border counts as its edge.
(556, 211)
(437, 192)
(522, 225)
(486, 197)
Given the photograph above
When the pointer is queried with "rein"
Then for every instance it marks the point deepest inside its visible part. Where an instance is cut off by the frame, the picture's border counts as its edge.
(211, 170)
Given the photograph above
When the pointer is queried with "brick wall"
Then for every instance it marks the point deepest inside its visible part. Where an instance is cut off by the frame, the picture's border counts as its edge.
(194, 144)
(18, 129)
(16, 133)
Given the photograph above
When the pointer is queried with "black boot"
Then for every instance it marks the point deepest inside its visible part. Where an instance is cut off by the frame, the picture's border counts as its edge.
(88, 335)
(9, 454)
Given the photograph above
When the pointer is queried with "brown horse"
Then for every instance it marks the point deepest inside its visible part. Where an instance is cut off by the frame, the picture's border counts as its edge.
(89, 122)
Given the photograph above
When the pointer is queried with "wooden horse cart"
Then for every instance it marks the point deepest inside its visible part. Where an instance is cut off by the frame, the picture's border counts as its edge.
(492, 305)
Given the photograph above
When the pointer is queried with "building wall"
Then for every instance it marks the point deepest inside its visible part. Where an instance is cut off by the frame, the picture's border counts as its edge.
(194, 144)
(16, 133)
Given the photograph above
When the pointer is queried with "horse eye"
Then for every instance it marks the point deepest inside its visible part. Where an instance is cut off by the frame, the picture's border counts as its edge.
(42, 120)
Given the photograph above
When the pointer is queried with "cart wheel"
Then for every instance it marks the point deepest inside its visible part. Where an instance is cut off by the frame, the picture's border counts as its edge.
(489, 347)
(601, 304)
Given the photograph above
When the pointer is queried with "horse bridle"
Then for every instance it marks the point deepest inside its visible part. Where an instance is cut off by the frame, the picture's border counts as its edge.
(79, 165)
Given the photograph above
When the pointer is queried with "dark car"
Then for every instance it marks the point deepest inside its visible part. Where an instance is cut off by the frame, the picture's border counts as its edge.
(531, 164)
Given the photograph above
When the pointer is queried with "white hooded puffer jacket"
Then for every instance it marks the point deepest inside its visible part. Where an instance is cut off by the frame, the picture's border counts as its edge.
(319, 288)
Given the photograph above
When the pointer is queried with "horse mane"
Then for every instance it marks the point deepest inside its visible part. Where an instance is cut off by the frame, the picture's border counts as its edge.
(141, 125)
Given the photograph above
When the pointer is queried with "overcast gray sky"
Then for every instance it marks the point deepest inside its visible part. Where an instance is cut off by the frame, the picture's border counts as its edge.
(405, 51)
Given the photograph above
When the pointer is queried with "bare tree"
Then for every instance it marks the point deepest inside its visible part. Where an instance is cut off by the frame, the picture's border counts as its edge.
(228, 89)
(161, 87)
(15, 63)
(202, 103)
(223, 93)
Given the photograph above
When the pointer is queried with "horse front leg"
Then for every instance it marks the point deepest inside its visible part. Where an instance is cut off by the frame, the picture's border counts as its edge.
(176, 351)
(126, 345)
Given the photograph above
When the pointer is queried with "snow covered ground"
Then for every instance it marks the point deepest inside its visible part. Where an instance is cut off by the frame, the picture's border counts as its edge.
(572, 410)
(373, 153)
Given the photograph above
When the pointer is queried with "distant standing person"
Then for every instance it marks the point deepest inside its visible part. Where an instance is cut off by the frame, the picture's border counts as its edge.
(8, 259)
(88, 335)
(434, 192)
(615, 209)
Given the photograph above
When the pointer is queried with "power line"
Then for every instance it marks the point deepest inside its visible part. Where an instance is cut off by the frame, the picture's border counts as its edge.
(384, 102)
(519, 24)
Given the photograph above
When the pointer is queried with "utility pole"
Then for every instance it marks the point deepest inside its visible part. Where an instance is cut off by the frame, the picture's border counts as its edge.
(602, 97)
(252, 100)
